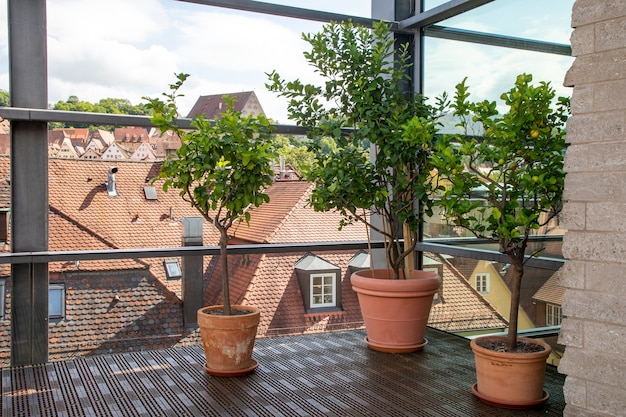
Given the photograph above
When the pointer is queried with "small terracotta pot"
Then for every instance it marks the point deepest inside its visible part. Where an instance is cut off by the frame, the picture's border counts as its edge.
(395, 312)
(508, 379)
(228, 341)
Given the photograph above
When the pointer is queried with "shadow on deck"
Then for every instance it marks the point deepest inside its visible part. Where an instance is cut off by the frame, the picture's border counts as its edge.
(327, 374)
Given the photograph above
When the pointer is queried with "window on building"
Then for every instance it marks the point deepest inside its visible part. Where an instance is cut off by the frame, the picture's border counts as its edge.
(56, 301)
(482, 283)
(172, 268)
(323, 290)
(3, 283)
(320, 283)
(4, 229)
(554, 315)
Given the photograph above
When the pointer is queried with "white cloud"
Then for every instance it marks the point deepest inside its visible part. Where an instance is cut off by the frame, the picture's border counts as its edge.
(130, 49)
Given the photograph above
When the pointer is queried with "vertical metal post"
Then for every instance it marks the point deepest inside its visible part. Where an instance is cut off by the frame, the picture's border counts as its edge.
(29, 181)
(192, 288)
(400, 10)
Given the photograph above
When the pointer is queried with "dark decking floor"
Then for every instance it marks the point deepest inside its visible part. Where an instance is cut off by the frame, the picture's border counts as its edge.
(329, 374)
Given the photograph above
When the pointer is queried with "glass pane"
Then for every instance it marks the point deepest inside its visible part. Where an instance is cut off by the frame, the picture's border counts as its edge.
(55, 301)
(532, 19)
(490, 70)
(360, 8)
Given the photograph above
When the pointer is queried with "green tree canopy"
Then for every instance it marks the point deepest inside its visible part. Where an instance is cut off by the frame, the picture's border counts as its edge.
(4, 98)
(105, 105)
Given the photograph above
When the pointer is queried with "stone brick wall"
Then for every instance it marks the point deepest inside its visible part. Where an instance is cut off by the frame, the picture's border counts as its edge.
(594, 328)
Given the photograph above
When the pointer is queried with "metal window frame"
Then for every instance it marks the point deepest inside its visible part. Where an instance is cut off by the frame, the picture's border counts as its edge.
(29, 117)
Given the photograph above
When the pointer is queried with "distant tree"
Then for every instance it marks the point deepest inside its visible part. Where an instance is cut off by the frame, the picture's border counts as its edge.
(4, 98)
(105, 105)
(295, 152)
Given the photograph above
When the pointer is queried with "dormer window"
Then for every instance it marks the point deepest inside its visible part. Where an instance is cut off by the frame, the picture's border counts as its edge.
(323, 290)
(320, 284)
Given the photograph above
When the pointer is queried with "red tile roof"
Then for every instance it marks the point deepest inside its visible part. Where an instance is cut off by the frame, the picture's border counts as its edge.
(212, 106)
(552, 291)
(463, 308)
(62, 227)
(289, 219)
(84, 216)
(269, 282)
(131, 134)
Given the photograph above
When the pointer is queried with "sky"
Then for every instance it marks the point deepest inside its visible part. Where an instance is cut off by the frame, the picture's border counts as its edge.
(132, 49)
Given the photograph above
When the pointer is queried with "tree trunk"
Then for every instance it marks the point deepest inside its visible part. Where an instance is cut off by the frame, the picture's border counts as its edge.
(224, 259)
(518, 273)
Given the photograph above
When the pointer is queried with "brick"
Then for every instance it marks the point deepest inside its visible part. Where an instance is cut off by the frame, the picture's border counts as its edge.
(607, 399)
(600, 127)
(607, 157)
(582, 40)
(577, 158)
(573, 274)
(605, 277)
(606, 216)
(571, 411)
(609, 96)
(575, 391)
(591, 187)
(597, 306)
(595, 67)
(591, 11)
(593, 366)
(611, 34)
(602, 337)
(571, 333)
(572, 216)
(598, 246)
(582, 99)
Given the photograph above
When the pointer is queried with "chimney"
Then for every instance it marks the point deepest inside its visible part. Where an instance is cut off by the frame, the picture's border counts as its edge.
(282, 168)
(111, 182)
(192, 287)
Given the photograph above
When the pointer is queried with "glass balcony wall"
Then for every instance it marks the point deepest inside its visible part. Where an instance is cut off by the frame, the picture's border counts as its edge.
(445, 62)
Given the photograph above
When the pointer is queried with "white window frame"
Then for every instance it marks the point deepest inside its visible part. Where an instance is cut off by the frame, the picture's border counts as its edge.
(323, 287)
(52, 289)
(554, 315)
(482, 283)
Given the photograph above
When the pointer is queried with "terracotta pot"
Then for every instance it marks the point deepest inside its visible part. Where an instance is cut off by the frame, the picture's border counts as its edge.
(395, 312)
(507, 379)
(228, 340)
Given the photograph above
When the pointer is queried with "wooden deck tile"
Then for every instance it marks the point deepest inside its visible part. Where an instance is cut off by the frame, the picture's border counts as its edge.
(327, 374)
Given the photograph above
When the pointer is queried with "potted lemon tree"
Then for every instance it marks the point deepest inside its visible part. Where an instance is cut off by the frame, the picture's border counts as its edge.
(380, 171)
(222, 168)
(515, 161)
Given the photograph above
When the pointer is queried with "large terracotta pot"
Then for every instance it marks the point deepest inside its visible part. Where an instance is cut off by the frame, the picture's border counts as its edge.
(395, 312)
(508, 379)
(228, 340)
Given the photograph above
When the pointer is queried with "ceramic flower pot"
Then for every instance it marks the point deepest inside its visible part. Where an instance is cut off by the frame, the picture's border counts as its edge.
(509, 379)
(395, 312)
(228, 340)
